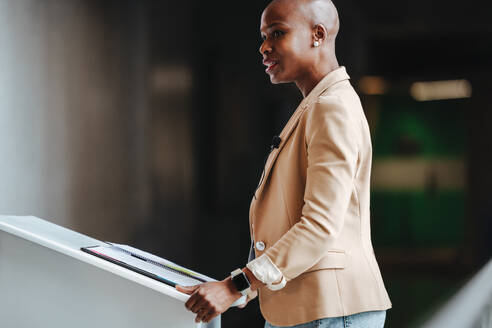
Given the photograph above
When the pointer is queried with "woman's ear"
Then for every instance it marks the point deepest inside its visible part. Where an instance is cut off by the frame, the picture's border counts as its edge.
(319, 33)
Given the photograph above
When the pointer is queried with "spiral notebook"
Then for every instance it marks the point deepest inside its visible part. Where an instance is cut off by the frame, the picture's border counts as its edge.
(147, 264)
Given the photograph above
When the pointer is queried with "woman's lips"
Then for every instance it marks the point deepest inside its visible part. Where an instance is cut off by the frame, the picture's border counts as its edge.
(271, 64)
(270, 68)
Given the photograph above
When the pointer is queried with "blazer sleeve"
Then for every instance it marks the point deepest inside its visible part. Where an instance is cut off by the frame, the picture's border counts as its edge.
(332, 154)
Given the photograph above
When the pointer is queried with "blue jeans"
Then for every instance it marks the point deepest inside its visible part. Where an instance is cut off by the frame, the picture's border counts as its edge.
(372, 319)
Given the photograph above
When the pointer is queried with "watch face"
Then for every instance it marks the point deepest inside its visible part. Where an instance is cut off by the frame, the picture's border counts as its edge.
(241, 282)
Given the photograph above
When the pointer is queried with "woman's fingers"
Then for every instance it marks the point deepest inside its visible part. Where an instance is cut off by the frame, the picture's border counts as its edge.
(194, 295)
(209, 299)
(201, 315)
(190, 290)
(187, 289)
(199, 304)
(210, 316)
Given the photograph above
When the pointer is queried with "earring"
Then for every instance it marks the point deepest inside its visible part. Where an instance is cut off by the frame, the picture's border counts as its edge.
(316, 43)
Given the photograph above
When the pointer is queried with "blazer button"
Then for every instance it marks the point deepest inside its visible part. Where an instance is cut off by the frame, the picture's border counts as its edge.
(260, 245)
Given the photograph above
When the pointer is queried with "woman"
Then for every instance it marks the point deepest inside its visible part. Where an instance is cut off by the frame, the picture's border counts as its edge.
(313, 262)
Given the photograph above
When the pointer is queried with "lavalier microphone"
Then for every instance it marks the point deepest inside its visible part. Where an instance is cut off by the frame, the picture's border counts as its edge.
(275, 142)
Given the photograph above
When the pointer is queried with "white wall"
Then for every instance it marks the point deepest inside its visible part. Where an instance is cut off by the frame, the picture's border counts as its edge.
(72, 107)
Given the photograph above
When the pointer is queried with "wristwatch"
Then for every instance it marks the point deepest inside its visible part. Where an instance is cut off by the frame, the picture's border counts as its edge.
(240, 281)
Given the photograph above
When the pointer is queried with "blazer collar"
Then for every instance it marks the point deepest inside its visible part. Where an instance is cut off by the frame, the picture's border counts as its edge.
(329, 80)
(337, 75)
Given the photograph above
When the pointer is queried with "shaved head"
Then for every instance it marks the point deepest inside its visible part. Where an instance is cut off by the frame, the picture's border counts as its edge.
(299, 41)
(313, 12)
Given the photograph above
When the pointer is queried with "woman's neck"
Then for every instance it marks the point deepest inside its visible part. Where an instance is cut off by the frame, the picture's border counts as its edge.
(307, 83)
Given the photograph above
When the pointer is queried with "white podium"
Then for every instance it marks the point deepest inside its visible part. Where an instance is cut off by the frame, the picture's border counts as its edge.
(47, 281)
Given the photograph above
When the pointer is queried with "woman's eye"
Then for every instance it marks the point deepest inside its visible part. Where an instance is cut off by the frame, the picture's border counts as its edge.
(277, 34)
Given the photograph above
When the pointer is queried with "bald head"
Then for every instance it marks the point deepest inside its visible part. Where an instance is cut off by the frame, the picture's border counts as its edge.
(299, 41)
(312, 12)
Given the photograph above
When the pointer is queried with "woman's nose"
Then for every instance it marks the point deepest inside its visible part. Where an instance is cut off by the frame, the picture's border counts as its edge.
(265, 48)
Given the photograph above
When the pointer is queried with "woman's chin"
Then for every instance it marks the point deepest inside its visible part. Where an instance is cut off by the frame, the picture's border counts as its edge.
(275, 79)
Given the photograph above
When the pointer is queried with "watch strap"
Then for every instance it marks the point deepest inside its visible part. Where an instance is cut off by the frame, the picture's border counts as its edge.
(241, 282)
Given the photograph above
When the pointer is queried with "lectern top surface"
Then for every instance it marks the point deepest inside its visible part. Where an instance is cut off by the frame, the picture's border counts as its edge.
(45, 233)
(69, 242)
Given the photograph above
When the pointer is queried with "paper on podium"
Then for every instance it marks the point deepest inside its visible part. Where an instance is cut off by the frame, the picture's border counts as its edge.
(46, 280)
(151, 265)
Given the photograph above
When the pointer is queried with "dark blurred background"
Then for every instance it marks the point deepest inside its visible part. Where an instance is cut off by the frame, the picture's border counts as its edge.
(147, 122)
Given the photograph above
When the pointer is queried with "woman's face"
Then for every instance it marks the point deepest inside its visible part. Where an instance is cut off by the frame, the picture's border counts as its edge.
(286, 47)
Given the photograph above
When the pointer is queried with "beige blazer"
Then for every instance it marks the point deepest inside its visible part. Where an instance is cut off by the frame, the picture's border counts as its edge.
(311, 211)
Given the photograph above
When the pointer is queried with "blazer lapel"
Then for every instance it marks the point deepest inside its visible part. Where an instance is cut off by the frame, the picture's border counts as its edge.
(332, 78)
(284, 136)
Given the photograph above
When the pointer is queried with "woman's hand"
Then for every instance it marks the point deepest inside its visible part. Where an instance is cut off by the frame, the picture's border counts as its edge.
(210, 299)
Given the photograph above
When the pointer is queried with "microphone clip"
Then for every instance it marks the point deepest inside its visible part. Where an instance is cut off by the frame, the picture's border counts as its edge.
(276, 140)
